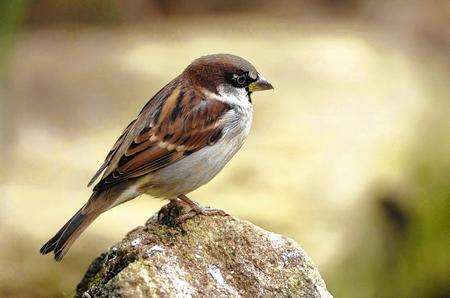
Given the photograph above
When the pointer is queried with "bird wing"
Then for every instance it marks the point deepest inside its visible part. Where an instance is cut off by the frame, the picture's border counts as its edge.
(176, 122)
(111, 153)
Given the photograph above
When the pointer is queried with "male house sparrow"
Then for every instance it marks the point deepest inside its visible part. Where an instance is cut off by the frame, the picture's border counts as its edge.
(180, 140)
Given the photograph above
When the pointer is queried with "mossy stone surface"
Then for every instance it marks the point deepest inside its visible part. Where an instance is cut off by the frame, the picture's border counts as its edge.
(206, 256)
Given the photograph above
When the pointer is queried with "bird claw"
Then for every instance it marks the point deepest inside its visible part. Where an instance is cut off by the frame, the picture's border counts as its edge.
(170, 212)
(181, 209)
(201, 211)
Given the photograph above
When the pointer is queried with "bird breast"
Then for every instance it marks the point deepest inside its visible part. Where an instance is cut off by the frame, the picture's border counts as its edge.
(200, 167)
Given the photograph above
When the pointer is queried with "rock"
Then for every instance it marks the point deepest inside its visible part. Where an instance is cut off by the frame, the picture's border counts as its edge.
(205, 256)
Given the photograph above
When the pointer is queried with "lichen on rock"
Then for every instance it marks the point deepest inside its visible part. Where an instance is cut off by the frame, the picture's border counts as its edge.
(206, 256)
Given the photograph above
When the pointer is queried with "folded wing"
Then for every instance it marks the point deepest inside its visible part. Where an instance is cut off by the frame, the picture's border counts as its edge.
(176, 122)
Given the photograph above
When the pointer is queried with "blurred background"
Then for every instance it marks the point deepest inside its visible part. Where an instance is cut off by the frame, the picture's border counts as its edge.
(349, 155)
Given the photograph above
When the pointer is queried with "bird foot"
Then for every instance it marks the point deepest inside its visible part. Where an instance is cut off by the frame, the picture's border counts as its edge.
(168, 213)
(181, 209)
(202, 211)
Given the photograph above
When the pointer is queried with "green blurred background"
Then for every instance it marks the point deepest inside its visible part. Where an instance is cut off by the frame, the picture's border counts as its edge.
(349, 156)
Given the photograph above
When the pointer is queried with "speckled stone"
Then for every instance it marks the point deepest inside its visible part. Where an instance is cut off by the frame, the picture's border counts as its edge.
(207, 256)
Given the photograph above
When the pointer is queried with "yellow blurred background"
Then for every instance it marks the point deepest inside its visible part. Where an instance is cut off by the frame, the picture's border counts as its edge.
(349, 155)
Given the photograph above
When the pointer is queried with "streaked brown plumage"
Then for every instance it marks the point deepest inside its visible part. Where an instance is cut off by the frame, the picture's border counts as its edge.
(163, 140)
(170, 135)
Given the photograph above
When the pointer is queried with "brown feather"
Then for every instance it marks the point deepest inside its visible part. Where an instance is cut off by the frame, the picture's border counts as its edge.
(111, 154)
(184, 120)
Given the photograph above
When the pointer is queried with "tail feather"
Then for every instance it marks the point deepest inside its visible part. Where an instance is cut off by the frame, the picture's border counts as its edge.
(64, 238)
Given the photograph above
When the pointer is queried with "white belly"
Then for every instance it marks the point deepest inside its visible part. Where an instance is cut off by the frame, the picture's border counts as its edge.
(200, 167)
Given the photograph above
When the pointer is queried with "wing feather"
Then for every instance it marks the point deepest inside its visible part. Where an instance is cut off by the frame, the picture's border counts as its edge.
(176, 122)
(111, 154)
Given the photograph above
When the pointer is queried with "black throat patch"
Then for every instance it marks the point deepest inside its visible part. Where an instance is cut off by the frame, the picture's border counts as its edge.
(249, 94)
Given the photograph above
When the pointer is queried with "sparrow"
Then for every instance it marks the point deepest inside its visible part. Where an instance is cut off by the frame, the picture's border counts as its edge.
(183, 137)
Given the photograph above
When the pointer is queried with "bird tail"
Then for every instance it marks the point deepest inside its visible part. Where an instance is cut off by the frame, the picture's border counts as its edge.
(63, 240)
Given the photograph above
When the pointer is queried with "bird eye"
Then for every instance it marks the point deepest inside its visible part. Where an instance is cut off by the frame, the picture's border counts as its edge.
(240, 80)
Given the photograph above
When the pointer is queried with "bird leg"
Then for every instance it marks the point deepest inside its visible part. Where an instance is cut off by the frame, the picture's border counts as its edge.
(181, 209)
(168, 213)
(196, 209)
(199, 209)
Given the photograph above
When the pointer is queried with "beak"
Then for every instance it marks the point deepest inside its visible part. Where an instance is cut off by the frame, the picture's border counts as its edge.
(260, 84)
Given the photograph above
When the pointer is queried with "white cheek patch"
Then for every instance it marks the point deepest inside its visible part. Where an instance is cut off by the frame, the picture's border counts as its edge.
(230, 95)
